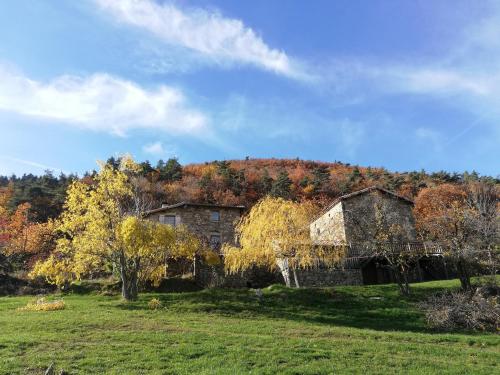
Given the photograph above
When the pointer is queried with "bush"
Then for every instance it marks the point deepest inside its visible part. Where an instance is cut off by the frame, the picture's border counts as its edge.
(477, 310)
(154, 304)
(41, 304)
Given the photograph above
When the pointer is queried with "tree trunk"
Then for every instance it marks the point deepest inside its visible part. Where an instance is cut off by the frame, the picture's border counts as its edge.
(285, 270)
(402, 281)
(463, 275)
(406, 285)
(129, 287)
(129, 281)
(295, 278)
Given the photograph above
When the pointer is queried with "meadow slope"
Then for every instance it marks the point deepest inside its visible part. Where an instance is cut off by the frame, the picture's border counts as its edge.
(367, 329)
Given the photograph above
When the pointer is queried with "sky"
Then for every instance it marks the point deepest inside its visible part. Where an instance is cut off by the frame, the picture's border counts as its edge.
(406, 85)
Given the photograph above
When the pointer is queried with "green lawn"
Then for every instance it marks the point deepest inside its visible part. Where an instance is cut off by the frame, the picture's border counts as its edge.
(306, 331)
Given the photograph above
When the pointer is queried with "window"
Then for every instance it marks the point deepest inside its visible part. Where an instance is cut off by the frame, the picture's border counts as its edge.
(215, 241)
(168, 219)
(215, 216)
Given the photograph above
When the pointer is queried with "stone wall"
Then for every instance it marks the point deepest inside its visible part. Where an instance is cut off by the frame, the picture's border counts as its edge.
(321, 277)
(354, 220)
(214, 277)
(360, 216)
(207, 276)
(329, 227)
(198, 220)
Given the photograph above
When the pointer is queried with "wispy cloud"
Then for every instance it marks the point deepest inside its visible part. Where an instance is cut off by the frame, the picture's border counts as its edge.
(29, 163)
(352, 135)
(220, 39)
(468, 71)
(431, 136)
(100, 102)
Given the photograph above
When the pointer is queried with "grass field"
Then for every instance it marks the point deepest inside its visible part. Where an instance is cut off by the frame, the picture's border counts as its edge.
(367, 329)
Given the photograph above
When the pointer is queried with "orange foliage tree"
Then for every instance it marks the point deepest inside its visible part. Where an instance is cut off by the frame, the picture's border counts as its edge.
(452, 216)
(20, 238)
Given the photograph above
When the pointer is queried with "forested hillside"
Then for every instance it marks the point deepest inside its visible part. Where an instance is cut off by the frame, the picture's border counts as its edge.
(30, 206)
(234, 182)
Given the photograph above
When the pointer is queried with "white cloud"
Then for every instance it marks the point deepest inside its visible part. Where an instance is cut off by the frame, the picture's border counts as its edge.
(220, 39)
(155, 148)
(100, 102)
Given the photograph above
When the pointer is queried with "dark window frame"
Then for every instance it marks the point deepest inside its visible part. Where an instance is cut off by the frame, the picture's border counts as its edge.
(173, 223)
(212, 216)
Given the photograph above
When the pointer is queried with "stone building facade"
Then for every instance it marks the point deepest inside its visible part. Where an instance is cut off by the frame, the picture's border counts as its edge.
(355, 219)
(352, 218)
(212, 223)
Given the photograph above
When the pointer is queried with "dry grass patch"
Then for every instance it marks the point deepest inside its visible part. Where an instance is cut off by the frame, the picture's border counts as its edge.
(41, 304)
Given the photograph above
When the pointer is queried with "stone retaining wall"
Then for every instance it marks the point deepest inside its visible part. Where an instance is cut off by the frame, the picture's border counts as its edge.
(329, 277)
(214, 277)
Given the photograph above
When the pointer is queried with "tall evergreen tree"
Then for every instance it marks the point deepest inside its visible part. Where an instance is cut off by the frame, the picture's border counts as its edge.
(171, 170)
(281, 187)
(266, 182)
(321, 176)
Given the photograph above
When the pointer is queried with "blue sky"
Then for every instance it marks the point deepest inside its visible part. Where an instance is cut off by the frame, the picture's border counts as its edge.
(401, 84)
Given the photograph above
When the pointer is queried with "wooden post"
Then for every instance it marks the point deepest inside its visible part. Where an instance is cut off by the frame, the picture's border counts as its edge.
(445, 269)
(419, 271)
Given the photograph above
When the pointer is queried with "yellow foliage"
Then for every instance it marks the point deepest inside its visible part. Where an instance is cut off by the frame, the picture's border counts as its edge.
(210, 257)
(154, 304)
(41, 304)
(102, 227)
(309, 189)
(57, 270)
(276, 229)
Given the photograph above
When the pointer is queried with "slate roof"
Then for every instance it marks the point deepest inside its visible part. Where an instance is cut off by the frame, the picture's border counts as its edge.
(191, 204)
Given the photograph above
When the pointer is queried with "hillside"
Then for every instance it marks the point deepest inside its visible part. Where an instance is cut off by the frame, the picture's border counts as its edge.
(246, 181)
(236, 182)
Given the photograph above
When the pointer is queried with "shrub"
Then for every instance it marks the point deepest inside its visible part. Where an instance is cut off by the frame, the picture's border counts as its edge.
(154, 304)
(41, 304)
(477, 310)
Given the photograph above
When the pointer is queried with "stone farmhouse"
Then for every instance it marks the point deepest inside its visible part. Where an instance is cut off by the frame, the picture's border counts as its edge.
(212, 223)
(350, 220)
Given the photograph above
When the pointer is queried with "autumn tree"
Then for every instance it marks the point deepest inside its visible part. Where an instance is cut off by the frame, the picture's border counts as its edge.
(102, 226)
(28, 241)
(463, 219)
(275, 234)
(390, 242)
(5, 197)
(483, 199)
